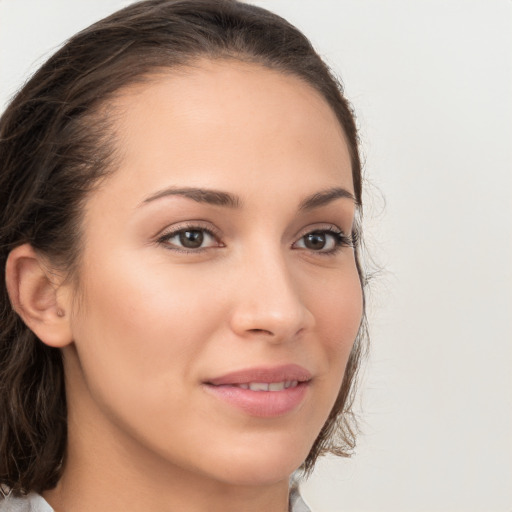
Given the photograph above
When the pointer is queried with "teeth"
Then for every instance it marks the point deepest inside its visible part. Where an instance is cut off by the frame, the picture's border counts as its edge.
(258, 386)
(266, 386)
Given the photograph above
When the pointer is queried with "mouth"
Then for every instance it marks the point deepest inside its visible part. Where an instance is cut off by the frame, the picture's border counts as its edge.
(263, 377)
(263, 392)
(268, 386)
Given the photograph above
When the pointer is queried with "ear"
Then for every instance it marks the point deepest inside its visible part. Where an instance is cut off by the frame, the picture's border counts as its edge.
(38, 297)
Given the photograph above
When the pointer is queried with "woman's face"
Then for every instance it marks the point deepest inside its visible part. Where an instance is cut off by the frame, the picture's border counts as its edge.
(219, 295)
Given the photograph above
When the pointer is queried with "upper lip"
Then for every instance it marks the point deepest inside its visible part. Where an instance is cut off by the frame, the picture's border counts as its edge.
(283, 373)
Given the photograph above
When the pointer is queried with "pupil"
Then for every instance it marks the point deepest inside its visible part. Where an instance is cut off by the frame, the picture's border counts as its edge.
(315, 241)
(191, 239)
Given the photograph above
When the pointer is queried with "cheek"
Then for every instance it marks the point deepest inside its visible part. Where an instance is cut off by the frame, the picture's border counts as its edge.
(138, 331)
(338, 310)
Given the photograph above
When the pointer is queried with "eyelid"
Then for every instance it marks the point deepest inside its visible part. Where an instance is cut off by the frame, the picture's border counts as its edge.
(192, 225)
(342, 239)
(321, 227)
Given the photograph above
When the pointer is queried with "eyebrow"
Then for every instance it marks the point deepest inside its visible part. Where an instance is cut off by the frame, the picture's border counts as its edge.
(200, 195)
(324, 197)
(220, 198)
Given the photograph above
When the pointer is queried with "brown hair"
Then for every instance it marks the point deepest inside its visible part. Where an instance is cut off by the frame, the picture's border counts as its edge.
(55, 144)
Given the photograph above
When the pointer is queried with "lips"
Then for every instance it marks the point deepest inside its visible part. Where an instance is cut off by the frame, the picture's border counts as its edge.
(268, 386)
(284, 373)
(262, 392)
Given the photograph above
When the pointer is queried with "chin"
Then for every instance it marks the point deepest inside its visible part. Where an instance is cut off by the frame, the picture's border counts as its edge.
(252, 475)
(260, 466)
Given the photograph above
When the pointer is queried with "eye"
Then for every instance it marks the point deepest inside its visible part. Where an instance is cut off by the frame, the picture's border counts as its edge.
(189, 239)
(327, 241)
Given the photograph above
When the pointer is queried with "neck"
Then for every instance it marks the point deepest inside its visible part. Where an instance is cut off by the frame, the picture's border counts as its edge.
(72, 495)
(117, 475)
(93, 483)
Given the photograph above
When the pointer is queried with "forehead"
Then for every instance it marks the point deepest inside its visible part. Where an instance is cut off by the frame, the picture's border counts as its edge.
(218, 121)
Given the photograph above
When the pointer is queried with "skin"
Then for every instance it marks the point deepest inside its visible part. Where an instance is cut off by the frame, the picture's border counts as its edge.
(150, 323)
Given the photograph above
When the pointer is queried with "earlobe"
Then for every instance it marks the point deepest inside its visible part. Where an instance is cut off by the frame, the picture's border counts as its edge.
(34, 295)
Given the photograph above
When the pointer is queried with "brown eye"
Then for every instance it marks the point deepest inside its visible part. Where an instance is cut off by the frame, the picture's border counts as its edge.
(191, 239)
(315, 241)
(322, 241)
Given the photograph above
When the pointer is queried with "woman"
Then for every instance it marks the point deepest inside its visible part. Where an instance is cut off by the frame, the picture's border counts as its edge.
(183, 299)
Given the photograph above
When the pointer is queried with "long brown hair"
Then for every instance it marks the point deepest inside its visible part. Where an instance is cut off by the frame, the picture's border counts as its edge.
(55, 144)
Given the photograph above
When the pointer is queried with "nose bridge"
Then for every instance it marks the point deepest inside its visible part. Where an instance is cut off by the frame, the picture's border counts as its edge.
(268, 299)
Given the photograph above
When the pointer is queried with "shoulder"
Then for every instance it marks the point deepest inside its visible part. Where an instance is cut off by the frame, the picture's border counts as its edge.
(30, 503)
(296, 502)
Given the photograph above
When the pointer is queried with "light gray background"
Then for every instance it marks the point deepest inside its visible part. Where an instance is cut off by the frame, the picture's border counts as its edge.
(431, 82)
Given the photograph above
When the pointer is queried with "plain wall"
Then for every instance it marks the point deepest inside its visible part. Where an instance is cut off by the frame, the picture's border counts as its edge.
(431, 82)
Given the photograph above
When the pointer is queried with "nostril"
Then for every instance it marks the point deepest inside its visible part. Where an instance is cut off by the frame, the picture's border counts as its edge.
(262, 331)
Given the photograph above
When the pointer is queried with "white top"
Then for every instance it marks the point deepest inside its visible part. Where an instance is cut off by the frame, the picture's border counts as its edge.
(31, 503)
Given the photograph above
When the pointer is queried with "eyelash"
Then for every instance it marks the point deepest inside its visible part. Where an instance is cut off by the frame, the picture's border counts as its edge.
(169, 235)
(340, 239)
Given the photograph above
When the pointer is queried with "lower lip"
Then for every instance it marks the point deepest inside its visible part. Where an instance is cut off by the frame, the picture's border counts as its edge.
(263, 404)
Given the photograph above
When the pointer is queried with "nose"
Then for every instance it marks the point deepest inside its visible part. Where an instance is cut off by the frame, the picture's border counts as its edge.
(268, 301)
